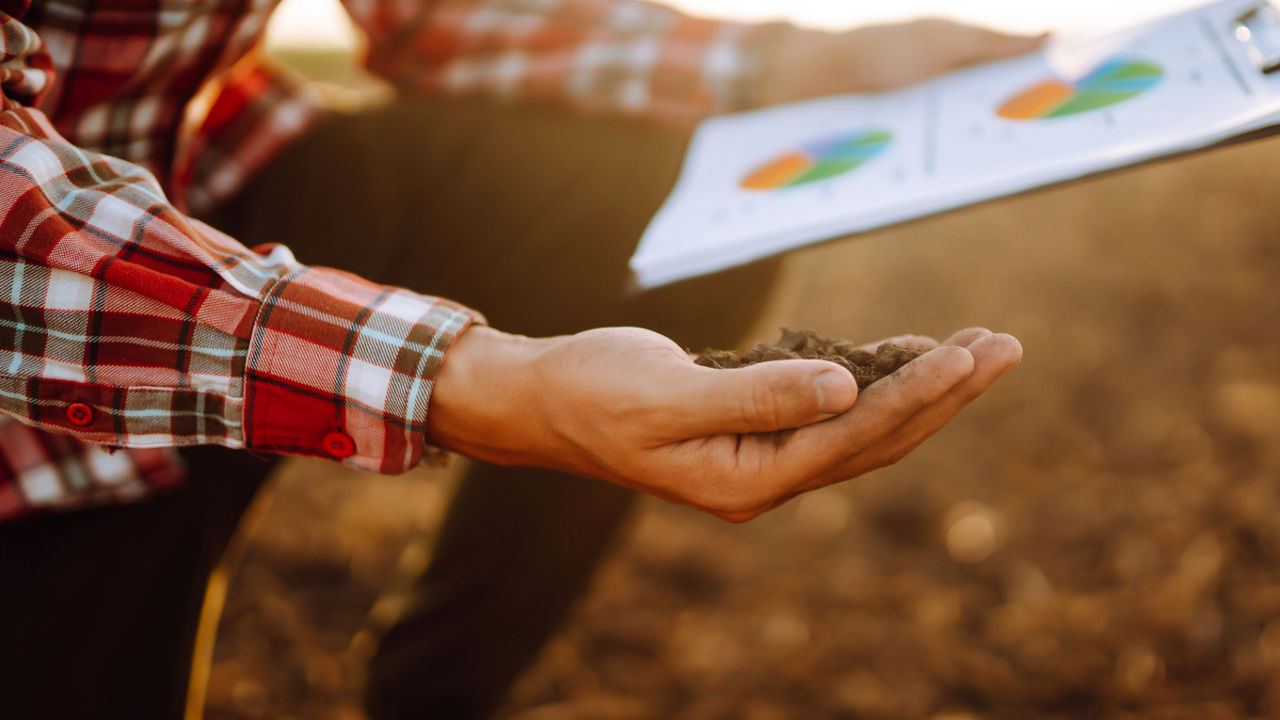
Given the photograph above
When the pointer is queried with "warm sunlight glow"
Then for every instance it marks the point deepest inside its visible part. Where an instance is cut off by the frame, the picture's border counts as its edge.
(322, 23)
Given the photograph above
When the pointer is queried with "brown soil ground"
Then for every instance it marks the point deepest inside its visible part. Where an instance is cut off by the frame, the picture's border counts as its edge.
(866, 366)
(1097, 537)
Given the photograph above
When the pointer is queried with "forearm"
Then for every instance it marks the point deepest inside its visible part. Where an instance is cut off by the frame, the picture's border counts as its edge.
(129, 324)
(486, 376)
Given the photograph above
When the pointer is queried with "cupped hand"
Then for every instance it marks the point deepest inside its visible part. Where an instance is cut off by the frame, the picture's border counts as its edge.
(804, 63)
(629, 406)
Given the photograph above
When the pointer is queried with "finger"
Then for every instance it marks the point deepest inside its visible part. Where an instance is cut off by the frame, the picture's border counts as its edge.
(993, 355)
(759, 398)
(815, 450)
(923, 343)
(966, 337)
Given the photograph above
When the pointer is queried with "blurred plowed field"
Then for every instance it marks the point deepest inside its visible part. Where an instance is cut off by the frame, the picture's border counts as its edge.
(1099, 536)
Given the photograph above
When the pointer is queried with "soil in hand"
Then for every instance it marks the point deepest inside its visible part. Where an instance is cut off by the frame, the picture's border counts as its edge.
(867, 367)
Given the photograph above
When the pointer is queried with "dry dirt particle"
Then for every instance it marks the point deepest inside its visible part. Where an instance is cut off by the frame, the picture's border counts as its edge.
(867, 367)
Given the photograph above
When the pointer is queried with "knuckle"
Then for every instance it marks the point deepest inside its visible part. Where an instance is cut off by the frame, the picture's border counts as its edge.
(920, 385)
(760, 410)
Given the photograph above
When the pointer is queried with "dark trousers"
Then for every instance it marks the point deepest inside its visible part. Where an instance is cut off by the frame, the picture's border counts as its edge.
(528, 215)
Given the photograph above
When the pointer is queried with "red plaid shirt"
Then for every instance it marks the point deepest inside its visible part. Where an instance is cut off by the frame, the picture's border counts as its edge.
(130, 325)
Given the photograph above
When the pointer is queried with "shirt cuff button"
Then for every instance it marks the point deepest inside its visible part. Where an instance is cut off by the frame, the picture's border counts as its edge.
(338, 444)
(79, 414)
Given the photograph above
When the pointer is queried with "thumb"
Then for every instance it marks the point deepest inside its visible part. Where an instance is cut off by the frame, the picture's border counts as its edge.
(765, 397)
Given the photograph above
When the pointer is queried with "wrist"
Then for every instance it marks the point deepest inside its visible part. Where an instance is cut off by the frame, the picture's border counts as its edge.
(485, 384)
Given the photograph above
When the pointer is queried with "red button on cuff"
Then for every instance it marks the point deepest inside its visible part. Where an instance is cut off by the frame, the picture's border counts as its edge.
(79, 414)
(339, 444)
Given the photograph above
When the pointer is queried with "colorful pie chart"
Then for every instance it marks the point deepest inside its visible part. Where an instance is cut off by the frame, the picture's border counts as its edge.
(818, 160)
(1114, 81)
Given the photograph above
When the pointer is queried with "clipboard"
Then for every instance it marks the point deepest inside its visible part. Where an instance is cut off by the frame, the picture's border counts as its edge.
(770, 181)
(1258, 29)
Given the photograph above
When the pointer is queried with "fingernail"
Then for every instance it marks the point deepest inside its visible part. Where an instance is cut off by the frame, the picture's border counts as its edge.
(836, 391)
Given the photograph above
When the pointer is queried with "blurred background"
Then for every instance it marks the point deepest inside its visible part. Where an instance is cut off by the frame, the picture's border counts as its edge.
(1099, 536)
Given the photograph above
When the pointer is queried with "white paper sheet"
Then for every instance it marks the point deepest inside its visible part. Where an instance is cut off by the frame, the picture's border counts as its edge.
(760, 183)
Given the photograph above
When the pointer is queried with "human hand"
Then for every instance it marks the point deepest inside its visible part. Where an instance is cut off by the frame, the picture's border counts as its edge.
(804, 63)
(629, 406)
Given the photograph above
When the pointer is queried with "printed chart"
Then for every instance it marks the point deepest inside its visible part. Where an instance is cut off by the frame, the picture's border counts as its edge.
(818, 160)
(766, 181)
(1114, 81)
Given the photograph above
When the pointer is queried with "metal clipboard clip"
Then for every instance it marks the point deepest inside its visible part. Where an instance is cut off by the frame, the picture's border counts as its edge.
(1259, 31)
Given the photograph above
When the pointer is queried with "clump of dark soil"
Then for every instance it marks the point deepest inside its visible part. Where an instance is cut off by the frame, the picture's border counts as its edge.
(867, 367)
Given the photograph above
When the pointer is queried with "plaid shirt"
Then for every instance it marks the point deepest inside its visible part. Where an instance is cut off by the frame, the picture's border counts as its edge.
(131, 326)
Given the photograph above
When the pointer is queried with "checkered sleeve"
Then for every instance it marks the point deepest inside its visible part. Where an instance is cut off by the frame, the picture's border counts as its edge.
(625, 56)
(129, 324)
